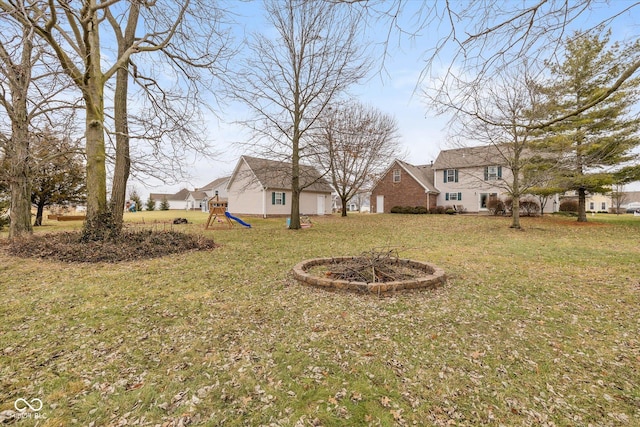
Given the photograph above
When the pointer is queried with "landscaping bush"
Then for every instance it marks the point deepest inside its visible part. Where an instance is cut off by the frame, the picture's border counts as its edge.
(409, 209)
(496, 206)
(529, 207)
(569, 206)
(440, 210)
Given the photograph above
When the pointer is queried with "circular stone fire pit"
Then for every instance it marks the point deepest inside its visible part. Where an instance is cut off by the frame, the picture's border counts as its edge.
(424, 275)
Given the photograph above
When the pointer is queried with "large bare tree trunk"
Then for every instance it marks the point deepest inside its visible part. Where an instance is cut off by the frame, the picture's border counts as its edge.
(19, 182)
(122, 167)
(98, 221)
(18, 150)
(295, 185)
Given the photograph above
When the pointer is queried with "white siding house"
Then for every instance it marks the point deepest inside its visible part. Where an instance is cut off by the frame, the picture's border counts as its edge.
(263, 187)
(469, 177)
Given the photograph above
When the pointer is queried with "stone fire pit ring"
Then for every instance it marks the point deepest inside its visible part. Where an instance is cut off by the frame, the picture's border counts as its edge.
(434, 277)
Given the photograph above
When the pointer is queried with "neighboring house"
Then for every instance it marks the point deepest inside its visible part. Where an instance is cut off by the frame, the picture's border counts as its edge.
(197, 200)
(217, 187)
(594, 202)
(468, 177)
(403, 184)
(358, 203)
(464, 179)
(631, 197)
(176, 201)
(598, 202)
(263, 187)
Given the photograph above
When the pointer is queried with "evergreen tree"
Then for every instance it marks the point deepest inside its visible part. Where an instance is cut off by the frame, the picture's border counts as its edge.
(602, 138)
(58, 174)
(164, 204)
(151, 204)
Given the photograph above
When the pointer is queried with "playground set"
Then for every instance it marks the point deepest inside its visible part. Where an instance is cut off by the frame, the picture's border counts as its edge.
(218, 213)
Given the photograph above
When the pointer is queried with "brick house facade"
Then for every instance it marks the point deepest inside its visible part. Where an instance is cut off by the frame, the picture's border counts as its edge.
(403, 184)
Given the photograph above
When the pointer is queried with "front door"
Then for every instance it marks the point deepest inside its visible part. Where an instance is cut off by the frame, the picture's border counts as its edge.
(379, 204)
(320, 205)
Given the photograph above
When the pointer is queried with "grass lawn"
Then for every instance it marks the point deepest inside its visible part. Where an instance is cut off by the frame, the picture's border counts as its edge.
(533, 327)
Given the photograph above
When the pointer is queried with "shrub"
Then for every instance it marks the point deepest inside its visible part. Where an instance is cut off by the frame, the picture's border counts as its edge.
(569, 206)
(4, 218)
(409, 210)
(529, 207)
(496, 206)
(440, 210)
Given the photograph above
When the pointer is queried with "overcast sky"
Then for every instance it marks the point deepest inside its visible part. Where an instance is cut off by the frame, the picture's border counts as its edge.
(393, 91)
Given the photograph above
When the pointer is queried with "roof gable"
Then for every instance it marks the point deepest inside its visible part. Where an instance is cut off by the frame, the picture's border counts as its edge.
(216, 183)
(275, 174)
(422, 174)
(180, 195)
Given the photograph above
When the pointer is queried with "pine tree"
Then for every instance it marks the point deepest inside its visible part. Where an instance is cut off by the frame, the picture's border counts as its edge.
(151, 204)
(603, 137)
(164, 204)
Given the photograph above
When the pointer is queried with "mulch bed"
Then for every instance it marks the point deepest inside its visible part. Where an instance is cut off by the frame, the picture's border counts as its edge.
(129, 246)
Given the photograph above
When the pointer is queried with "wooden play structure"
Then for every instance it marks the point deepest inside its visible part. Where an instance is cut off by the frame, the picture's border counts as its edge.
(217, 211)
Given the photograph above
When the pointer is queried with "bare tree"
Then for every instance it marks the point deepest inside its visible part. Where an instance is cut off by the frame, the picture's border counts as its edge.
(618, 198)
(74, 33)
(32, 93)
(291, 78)
(480, 39)
(354, 143)
(165, 123)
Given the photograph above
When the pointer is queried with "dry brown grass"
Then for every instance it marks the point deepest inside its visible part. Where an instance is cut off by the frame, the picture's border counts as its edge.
(534, 327)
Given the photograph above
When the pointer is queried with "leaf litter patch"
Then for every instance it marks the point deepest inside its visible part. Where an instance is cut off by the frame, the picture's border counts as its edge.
(128, 246)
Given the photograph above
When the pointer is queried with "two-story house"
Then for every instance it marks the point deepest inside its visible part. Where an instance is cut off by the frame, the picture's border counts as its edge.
(463, 178)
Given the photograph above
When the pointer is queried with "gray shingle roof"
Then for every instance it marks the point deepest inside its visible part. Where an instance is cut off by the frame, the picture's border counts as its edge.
(277, 175)
(180, 195)
(215, 183)
(467, 157)
(198, 195)
(422, 173)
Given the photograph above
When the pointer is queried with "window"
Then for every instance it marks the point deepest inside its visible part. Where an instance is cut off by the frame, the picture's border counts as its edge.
(604, 206)
(592, 206)
(396, 175)
(453, 196)
(451, 175)
(492, 173)
(277, 198)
